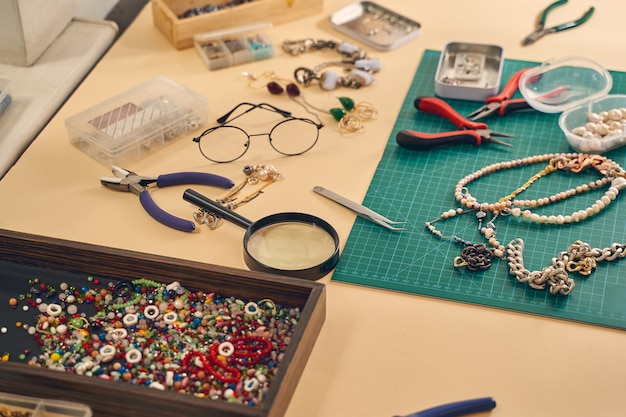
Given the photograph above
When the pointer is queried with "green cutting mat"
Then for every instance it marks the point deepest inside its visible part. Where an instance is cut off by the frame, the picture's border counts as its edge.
(417, 186)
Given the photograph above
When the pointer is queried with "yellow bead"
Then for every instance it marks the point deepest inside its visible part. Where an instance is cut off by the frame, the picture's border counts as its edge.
(55, 357)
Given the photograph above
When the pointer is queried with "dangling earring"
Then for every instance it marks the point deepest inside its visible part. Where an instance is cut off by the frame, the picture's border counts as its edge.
(350, 117)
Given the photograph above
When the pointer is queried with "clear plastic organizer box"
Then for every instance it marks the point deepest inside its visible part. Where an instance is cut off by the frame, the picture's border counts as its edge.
(137, 122)
(20, 405)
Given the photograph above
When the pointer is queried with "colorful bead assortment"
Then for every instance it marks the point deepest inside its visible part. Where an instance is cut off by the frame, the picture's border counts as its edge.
(162, 336)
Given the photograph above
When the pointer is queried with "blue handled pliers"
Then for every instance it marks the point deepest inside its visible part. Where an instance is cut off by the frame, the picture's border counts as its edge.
(129, 181)
(542, 30)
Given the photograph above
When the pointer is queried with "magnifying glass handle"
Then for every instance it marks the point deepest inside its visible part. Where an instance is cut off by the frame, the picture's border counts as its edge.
(216, 208)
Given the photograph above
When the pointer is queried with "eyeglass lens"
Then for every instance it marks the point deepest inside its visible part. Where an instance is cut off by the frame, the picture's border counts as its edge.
(289, 137)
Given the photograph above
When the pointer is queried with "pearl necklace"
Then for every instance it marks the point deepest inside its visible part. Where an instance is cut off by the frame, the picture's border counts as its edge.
(478, 256)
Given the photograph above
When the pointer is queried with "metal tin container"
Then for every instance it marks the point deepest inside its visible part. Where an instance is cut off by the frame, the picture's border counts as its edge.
(469, 71)
(375, 25)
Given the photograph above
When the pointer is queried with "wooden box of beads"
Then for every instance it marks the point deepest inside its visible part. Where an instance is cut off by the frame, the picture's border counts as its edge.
(135, 334)
(179, 20)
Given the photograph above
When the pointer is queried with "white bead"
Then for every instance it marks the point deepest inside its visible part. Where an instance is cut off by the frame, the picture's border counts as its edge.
(594, 118)
(169, 378)
(615, 114)
(368, 64)
(328, 80)
(251, 384)
(118, 334)
(365, 76)
(151, 312)
(226, 349)
(619, 183)
(516, 212)
(535, 217)
(170, 317)
(591, 127)
(133, 356)
(347, 48)
(54, 310)
(130, 320)
(606, 200)
(107, 353)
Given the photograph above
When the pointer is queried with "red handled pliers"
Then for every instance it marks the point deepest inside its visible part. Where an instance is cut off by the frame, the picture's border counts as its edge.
(503, 103)
(472, 132)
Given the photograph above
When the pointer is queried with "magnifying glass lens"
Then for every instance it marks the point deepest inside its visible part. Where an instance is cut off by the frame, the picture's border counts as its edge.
(291, 245)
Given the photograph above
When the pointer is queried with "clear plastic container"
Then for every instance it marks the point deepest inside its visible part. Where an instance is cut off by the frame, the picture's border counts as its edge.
(18, 405)
(5, 94)
(137, 122)
(234, 46)
(578, 89)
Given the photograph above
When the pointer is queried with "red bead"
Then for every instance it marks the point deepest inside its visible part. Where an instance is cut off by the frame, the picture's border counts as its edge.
(293, 90)
(275, 88)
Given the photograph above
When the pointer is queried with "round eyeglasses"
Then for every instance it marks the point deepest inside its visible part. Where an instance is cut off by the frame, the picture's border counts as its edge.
(227, 143)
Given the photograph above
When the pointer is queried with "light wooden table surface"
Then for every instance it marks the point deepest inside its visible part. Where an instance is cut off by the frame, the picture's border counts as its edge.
(379, 353)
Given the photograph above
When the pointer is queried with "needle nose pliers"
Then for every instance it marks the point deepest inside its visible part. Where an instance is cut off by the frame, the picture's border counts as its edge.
(542, 30)
(472, 132)
(129, 181)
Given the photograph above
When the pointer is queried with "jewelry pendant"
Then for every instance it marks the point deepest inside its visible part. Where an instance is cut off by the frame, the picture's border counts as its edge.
(476, 257)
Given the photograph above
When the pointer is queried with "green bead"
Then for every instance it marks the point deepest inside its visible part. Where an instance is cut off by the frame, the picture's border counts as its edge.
(337, 113)
(347, 103)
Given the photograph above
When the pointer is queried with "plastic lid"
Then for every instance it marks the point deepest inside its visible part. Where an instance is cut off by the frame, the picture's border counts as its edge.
(559, 85)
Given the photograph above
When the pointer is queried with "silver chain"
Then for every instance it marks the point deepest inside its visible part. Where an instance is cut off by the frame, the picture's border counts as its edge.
(579, 257)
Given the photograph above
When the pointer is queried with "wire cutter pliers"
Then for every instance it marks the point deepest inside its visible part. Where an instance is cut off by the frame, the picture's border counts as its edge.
(473, 132)
(503, 103)
(542, 30)
(129, 181)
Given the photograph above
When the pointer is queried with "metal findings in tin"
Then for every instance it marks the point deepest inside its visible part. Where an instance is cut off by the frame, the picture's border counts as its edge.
(469, 71)
(375, 25)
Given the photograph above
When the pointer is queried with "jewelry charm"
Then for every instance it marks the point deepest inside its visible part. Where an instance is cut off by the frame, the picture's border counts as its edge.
(266, 174)
(358, 66)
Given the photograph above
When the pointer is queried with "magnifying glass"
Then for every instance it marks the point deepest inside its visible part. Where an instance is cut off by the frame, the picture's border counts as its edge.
(294, 244)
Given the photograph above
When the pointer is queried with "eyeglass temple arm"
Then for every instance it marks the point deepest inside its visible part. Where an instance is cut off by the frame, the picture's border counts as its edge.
(225, 118)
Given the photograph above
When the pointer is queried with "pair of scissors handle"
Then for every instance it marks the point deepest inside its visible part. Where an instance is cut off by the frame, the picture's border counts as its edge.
(179, 178)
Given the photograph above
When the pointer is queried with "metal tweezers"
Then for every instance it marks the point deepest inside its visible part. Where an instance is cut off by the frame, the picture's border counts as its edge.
(360, 210)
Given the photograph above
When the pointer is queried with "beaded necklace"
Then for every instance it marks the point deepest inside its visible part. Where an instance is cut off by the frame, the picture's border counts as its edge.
(478, 256)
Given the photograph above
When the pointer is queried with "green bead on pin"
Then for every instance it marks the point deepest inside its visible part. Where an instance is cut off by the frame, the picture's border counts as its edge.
(347, 104)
